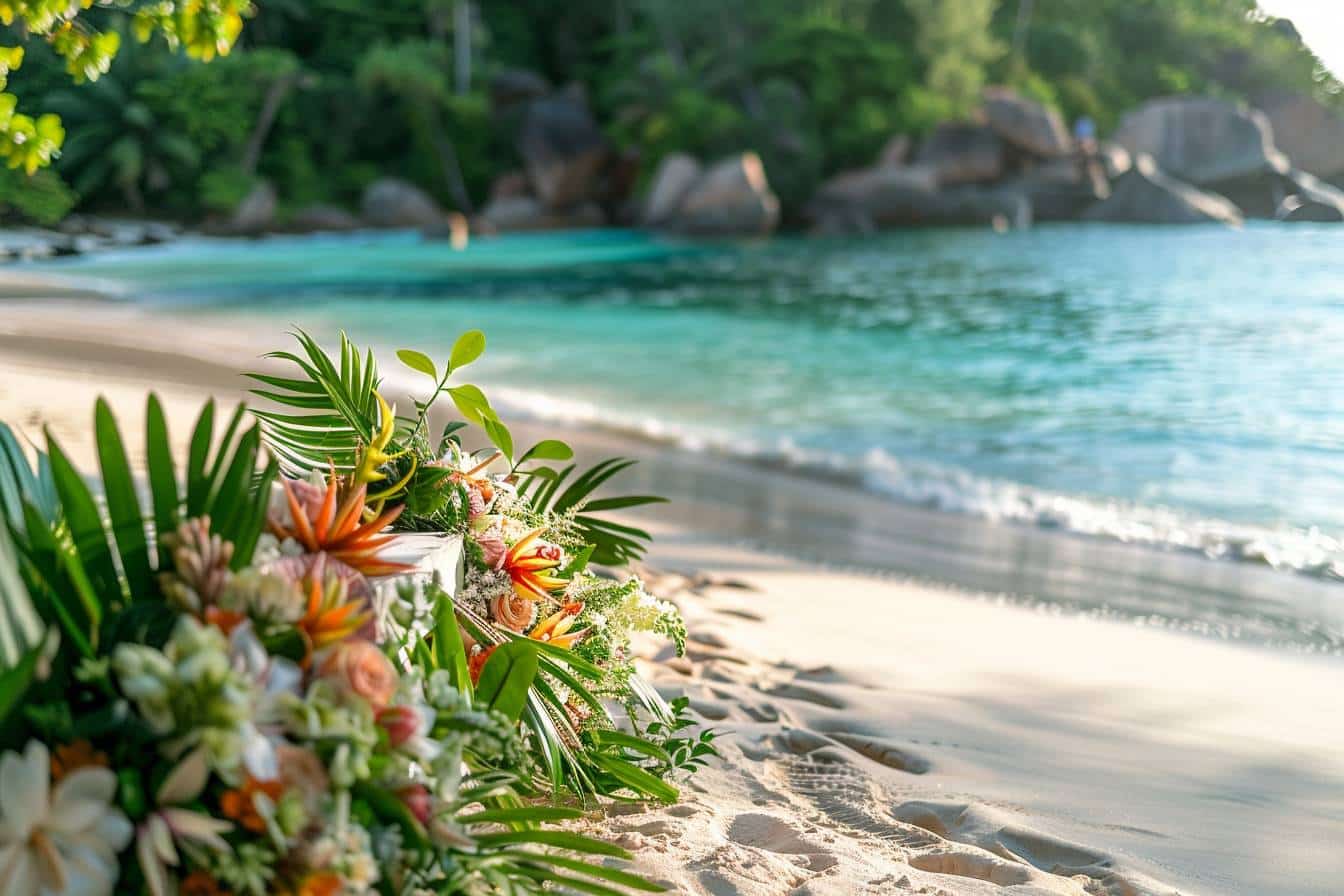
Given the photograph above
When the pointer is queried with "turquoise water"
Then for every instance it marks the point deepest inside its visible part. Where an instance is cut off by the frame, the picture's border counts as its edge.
(1183, 387)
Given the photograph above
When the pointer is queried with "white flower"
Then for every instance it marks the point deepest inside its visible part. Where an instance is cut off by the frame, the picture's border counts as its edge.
(154, 838)
(61, 842)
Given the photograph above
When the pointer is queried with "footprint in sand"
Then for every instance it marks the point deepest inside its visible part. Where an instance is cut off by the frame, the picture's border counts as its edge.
(762, 831)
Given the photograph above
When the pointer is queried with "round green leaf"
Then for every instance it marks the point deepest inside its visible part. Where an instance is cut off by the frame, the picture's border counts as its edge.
(469, 346)
(419, 361)
(549, 449)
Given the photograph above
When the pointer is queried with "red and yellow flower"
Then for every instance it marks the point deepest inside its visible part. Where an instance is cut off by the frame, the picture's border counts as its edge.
(533, 566)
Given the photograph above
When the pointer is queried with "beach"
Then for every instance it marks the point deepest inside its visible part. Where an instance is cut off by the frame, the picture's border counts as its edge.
(946, 706)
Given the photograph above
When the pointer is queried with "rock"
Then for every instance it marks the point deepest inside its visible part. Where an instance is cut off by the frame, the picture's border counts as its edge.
(516, 85)
(862, 200)
(256, 213)
(963, 153)
(1146, 195)
(1311, 135)
(731, 198)
(896, 151)
(510, 185)
(323, 219)
(673, 178)
(563, 150)
(1062, 189)
(523, 213)
(1115, 159)
(392, 202)
(1026, 124)
(1202, 140)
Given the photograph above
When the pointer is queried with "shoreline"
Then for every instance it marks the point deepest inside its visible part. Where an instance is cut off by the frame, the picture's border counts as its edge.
(885, 729)
(786, 510)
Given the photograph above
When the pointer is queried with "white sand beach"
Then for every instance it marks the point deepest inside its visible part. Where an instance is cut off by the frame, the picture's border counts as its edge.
(880, 734)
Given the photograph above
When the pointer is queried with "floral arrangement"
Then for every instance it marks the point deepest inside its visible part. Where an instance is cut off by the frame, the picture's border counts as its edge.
(237, 685)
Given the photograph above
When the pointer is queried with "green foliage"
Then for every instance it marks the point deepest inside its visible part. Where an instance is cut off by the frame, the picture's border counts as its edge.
(222, 189)
(41, 197)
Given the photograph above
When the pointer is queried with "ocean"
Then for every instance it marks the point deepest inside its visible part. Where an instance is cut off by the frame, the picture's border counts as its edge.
(1178, 388)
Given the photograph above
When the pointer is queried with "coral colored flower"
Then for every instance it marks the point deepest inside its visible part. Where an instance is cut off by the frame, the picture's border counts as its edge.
(531, 564)
(361, 669)
(477, 662)
(75, 755)
(241, 804)
(555, 629)
(321, 884)
(200, 883)
(331, 615)
(224, 620)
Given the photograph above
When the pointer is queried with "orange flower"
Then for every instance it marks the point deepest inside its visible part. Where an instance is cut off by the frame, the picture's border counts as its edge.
(241, 804)
(332, 615)
(531, 564)
(322, 883)
(361, 669)
(75, 755)
(224, 620)
(199, 883)
(477, 662)
(555, 629)
(323, 527)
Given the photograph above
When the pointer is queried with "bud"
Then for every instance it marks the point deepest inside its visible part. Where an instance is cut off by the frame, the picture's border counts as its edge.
(416, 798)
(401, 724)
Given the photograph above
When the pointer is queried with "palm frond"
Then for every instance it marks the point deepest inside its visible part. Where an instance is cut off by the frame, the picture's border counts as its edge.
(334, 408)
(614, 544)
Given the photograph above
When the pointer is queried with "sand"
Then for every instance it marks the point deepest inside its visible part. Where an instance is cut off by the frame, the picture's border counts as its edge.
(881, 734)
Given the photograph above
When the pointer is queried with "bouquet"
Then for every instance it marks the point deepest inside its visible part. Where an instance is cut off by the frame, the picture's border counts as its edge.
(243, 680)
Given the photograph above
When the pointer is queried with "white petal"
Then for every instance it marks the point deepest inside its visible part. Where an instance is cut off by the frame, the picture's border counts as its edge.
(89, 870)
(198, 826)
(18, 872)
(156, 876)
(186, 781)
(114, 830)
(259, 756)
(24, 782)
(80, 798)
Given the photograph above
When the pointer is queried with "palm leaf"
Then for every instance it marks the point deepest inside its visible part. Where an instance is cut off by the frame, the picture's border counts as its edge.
(613, 544)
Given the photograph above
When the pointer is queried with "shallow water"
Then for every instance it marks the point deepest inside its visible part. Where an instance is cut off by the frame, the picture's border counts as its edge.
(1176, 386)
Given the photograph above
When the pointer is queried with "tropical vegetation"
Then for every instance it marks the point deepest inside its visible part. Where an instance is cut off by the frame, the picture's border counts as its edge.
(321, 97)
(228, 676)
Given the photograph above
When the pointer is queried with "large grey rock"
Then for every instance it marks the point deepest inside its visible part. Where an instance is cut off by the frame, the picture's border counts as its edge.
(256, 213)
(1202, 140)
(562, 148)
(1146, 195)
(1115, 159)
(524, 213)
(392, 202)
(672, 180)
(1026, 124)
(869, 198)
(896, 151)
(1311, 135)
(516, 85)
(731, 198)
(1062, 189)
(963, 153)
(323, 219)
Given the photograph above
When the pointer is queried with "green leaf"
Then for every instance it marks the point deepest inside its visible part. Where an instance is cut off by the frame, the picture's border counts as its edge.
(123, 505)
(388, 807)
(560, 839)
(615, 875)
(86, 528)
(524, 815)
(15, 679)
(499, 434)
(159, 466)
(469, 346)
(506, 678)
(21, 629)
(636, 778)
(548, 449)
(418, 361)
(449, 652)
(471, 403)
(625, 741)
(198, 484)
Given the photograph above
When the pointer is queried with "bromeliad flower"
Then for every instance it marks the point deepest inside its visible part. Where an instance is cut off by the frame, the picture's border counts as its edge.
(324, 527)
(375, 455)
(57, 840)
(555, 629)
(532, 564)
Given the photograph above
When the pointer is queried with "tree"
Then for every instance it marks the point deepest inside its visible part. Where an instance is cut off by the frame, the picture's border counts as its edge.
(202, 28)
(956, 43)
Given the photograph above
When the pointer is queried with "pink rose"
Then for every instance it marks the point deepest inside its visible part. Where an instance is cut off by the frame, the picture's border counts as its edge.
(417, 799)
(360, 668)
(493, 548)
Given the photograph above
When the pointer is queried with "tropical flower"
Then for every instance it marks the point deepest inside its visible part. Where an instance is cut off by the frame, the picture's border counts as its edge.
(513, 612)
(531, 564)
(61, 840)
(243, 804)
(170, 821)
(200, 565)
(360, 669)
(555, 629)
(319, 525)
(375, 454)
